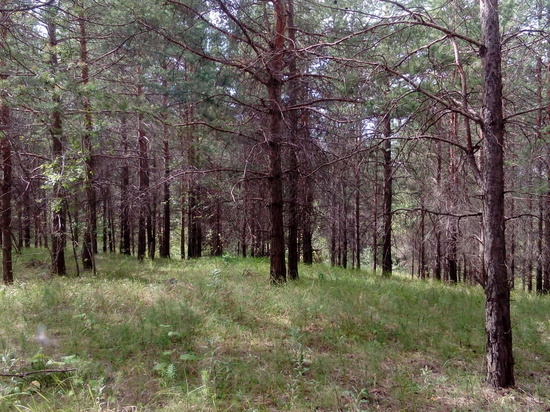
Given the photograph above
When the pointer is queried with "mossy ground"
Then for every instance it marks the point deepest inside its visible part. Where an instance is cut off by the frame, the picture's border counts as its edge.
(213, 335)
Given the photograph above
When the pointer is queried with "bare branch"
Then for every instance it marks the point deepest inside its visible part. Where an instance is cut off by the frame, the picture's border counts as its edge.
(26, 8)
(24, 374)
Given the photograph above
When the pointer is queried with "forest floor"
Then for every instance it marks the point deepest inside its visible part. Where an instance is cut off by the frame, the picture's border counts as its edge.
(213, 335)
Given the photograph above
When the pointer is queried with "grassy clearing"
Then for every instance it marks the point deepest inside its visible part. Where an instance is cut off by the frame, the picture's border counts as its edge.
(213, 335)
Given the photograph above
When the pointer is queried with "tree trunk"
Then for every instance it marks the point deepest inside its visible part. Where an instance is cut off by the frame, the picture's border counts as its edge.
(194, 229)
(56, 133)
(438, 255)
(388, 194)
(105, 229)
(422, 241)
(125, 233)
(274, 88)
(194, 201)
(437, 222)
(182, 217)
(165, 244)
(358, 217)
(540, 254)
(217, 246)
(91, 227)
(112, 231)
(375, 217)
(244, 222)
(293, 124)
(307, 229)
(7, 184)
(344, 228)
(151, 224)
(500, 359)
(144, 210)
(452, 251)
(333, 252)
(27, 217)
(307, 211)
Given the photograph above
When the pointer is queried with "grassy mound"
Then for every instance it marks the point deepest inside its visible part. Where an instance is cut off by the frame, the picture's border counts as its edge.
(213, 335)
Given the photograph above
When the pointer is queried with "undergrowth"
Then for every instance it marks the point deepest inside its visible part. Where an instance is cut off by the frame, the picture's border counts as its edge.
(212, 334)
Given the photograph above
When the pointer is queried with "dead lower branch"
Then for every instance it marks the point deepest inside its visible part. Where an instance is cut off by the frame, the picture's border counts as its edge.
(25, 374)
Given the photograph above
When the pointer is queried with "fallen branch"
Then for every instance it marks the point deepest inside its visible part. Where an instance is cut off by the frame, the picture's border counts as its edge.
(24, 374)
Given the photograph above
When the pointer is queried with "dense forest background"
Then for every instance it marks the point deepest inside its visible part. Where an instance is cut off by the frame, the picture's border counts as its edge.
(349, 132)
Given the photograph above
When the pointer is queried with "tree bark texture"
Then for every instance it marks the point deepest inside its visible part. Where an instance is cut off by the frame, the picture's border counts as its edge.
(87, 145)
(56, 133)
(125, 232)
(194, 229)
(144, 207)
(165, 244)
(7, 184)
(307, 224)
(293, 125)
(358, 219)
(388, 195)
(274, 87)
(500, 360)
(217, 245)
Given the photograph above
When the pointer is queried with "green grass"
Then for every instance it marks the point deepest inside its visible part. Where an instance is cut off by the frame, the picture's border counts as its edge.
(214, 335)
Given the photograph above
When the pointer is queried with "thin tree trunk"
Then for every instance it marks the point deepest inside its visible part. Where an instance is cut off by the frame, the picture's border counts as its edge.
(74, 241)
(165, 244)
(125, 231)
(194, 203)
(333, 253)
(245, 219)
(112, 231)
(357, 219)
(388, 195)
(182, 219)
(500, 359)
(194, 229)
(27, 217)
(183, 198)
(105, 222)
(7, 184)
(438, 254)
(88, 261)
(56, 133)
(344, 231)
(307, 219)
(375, 217)
(307, 231)
(437, 222)
(144, 207)
(452, 252)
(217, 246)
(152, 219)
(293, 123)
(540, 254)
